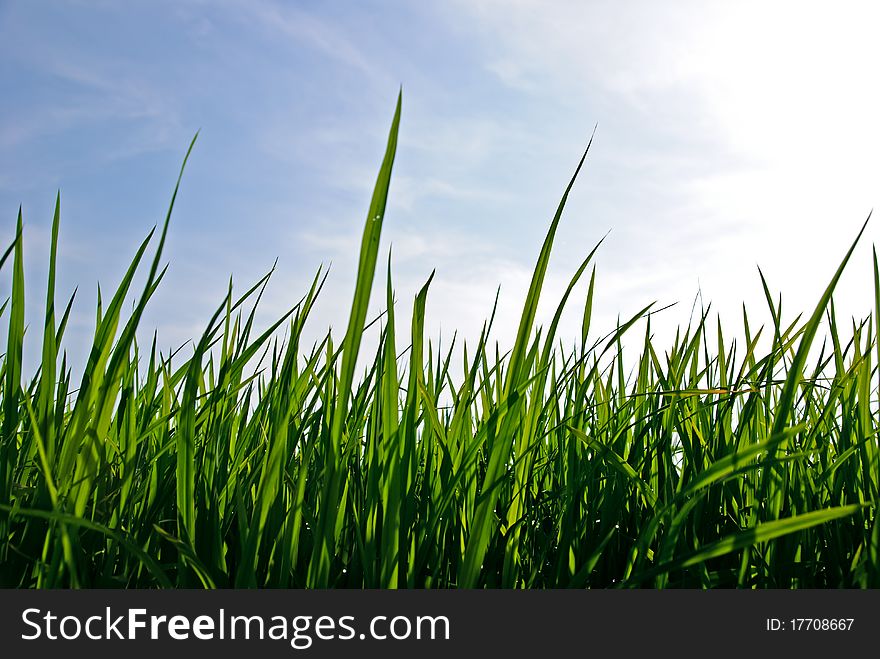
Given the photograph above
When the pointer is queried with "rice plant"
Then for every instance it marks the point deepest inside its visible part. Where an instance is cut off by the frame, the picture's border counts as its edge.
(263, 461)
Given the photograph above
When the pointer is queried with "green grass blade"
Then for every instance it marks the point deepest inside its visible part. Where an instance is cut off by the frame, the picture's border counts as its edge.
(325, 546)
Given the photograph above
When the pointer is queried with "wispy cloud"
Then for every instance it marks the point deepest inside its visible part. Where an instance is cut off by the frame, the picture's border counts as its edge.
(290, 21)
(755, 118)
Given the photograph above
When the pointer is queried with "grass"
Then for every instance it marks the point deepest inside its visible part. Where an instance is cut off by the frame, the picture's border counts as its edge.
(259, 461)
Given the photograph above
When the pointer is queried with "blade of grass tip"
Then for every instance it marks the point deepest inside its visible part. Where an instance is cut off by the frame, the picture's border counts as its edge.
(50, 348)
(324, 547)
(785, 404)
(551, 332)
(588, 311)
(530, 307)
(62, 324)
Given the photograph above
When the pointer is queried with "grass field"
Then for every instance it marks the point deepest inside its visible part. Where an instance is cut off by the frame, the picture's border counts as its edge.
(260, 461)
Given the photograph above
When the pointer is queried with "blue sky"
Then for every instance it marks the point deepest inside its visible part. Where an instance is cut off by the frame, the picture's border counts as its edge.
(729, 135)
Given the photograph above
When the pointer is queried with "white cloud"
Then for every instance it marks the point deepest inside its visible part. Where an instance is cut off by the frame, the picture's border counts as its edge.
(759, 119)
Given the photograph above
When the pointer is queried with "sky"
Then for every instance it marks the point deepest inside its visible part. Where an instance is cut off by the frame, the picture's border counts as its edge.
(728, 136)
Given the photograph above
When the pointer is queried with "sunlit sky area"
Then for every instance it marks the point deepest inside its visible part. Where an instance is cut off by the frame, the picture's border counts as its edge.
(729, 135)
